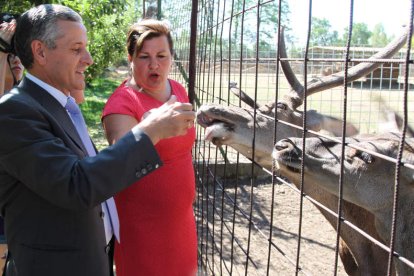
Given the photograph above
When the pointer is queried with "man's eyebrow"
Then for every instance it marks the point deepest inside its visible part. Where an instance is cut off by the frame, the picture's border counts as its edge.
(79, 43)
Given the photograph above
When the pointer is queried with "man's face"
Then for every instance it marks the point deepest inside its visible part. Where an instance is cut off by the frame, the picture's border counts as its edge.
(66, 64)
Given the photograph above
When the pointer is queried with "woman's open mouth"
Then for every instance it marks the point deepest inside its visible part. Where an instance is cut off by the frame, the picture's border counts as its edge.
(154, 76)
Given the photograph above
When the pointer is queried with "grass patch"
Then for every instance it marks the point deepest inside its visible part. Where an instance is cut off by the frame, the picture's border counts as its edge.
(96, 95)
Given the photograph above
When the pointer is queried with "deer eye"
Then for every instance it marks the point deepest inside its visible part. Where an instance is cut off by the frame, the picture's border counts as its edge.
(282, 106)
(366, 157)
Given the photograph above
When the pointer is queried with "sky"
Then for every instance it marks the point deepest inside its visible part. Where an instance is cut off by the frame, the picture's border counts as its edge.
(391, 13)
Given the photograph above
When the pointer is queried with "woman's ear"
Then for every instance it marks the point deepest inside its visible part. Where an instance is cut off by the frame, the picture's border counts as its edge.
(129, 58)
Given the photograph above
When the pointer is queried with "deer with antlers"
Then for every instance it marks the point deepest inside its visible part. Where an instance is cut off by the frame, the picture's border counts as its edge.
(367, 180)
(245, 129)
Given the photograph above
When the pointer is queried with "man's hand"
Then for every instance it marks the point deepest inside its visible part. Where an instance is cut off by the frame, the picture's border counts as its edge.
(171, 119)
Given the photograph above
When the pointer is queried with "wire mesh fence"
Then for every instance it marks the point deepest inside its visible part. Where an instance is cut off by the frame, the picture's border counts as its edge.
(250, 219)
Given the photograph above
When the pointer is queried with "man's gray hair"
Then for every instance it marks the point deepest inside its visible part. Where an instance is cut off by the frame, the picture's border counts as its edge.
(40, 23)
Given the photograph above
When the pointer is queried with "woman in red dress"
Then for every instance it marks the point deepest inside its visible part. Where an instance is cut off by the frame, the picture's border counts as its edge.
(157, 225)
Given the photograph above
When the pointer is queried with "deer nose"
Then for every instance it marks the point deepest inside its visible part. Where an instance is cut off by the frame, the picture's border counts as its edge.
(284, 144)
(287, 147)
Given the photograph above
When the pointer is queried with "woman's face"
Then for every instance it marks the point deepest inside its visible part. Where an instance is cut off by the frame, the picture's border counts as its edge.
(16, 67)
(152, 64)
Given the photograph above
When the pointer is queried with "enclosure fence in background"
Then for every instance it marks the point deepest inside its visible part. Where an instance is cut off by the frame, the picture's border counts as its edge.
(250, 219)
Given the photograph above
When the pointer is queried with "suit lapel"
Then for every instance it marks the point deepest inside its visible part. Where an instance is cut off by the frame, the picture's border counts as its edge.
(52, 106)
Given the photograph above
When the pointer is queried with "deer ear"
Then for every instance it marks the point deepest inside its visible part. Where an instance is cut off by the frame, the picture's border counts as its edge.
(314, 120)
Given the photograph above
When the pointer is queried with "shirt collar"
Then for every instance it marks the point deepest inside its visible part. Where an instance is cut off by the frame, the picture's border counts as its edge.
(55, 93)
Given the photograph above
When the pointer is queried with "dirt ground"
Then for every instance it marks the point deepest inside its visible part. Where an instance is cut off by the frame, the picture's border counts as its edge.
(317, 243)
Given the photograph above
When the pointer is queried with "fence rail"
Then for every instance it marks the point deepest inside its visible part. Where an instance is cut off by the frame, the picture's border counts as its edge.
(250, 221)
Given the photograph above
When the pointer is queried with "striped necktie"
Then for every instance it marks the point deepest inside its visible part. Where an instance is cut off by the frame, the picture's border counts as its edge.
(111, 221)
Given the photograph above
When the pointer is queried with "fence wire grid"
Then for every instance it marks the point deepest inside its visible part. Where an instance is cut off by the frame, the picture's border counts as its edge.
(250, 221)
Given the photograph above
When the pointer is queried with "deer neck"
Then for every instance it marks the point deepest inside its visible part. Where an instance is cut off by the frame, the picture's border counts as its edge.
(404, 239)
(262, 155)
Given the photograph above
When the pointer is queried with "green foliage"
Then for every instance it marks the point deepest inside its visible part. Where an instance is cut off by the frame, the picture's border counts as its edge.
(379, 37)
(268, 20)
(16, 7)
(321, 33)
(269, 24)
(107, 22)
(360, 34)
(96, 95)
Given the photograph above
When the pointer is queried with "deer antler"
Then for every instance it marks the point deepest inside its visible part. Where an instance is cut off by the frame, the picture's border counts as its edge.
(242, 95)
(295, 97)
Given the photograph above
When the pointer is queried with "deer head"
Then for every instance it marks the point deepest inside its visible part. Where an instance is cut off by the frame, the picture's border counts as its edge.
(233, 126)
(368, 180)
(365, 174)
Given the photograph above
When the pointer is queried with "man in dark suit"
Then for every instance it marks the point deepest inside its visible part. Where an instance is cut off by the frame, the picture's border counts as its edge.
(50, 187)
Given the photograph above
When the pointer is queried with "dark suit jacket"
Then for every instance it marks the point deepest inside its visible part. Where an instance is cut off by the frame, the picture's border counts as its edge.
(50, 193)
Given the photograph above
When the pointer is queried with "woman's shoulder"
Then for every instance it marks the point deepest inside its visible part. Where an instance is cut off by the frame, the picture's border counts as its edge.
(123, 88)
(122, 92)
(121, 101)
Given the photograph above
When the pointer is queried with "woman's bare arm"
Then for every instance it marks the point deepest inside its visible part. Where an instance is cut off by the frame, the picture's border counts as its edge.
(117, 125)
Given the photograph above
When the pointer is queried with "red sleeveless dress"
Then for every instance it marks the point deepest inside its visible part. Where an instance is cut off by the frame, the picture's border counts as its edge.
(157, 224)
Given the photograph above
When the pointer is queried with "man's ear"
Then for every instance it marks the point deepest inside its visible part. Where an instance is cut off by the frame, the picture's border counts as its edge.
(38, 50)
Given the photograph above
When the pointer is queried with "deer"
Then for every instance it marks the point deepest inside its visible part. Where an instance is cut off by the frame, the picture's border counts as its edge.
(250, 130)
(367, 180)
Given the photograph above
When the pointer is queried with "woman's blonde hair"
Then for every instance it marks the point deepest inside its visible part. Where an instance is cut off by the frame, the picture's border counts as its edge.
(144, 30)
